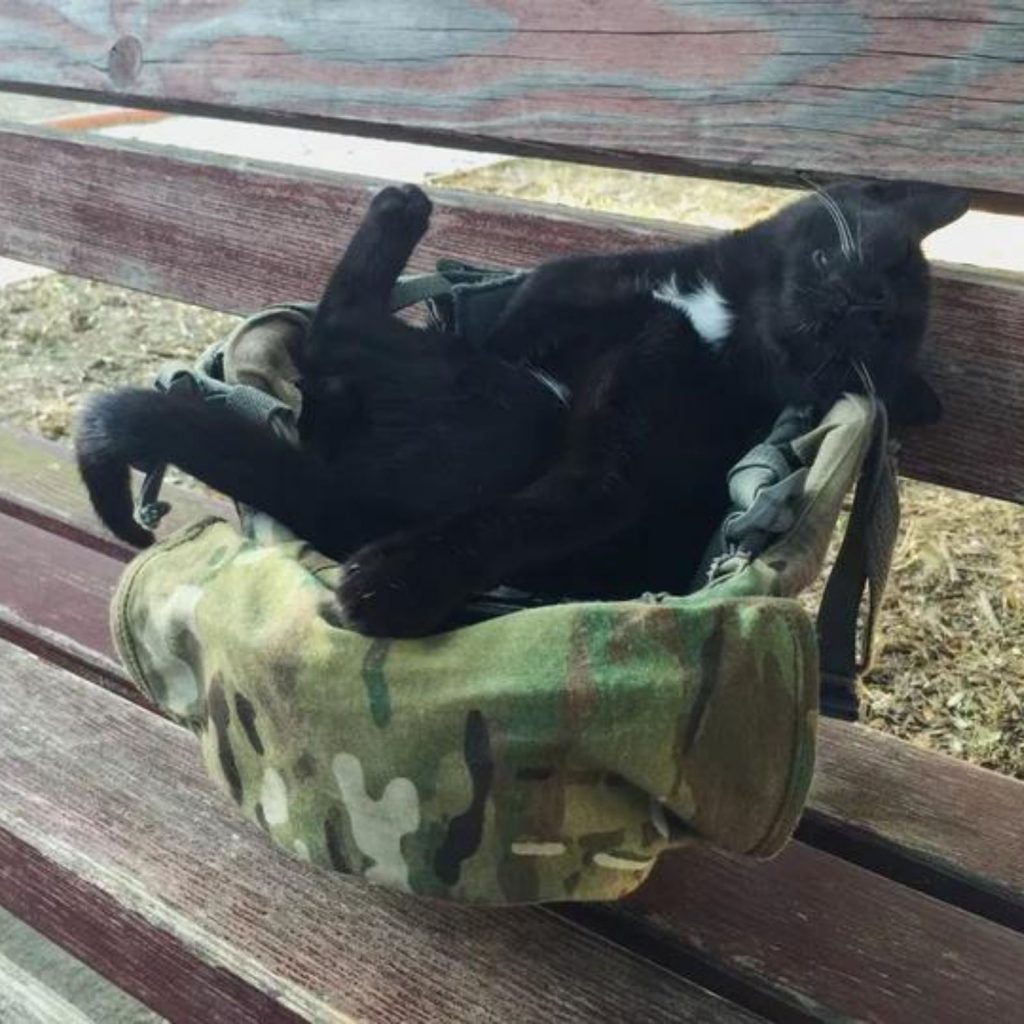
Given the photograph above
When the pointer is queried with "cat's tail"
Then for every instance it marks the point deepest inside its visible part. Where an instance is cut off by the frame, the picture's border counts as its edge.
(132, 427)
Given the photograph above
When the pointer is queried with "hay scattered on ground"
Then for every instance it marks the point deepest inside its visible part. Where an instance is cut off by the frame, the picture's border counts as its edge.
(950, 661)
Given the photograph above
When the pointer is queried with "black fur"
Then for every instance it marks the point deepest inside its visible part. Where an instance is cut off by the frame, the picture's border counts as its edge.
(438, 472)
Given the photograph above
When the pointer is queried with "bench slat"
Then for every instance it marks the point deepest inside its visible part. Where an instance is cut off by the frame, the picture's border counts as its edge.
(57, 585)
(875, 797)
(878, 800)
(834, 940)
(129, 216)
(28, 1000)
(195, 887)
(751, 89)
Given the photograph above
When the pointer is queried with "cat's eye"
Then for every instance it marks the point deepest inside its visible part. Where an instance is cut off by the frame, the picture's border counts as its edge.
(820, 259)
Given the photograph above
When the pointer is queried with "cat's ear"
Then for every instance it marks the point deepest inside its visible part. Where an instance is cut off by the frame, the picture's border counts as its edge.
(927, 207)
(915, 404)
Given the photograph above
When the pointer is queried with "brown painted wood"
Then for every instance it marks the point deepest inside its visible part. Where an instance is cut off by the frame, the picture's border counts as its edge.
(931, 820)
(150, 962)
(753, 88)
(905, 806)
(38, 484)
(829, 939)
(808, 931)
(60, 587)
(111, 805)
(170, 224)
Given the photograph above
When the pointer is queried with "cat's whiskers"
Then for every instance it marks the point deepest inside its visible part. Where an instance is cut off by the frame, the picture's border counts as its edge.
(827, 362)
(865, 377)
(846, 242)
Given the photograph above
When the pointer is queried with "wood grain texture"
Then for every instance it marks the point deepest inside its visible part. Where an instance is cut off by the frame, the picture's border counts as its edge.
(832, 940)
(26, 999)
(151, 963)
(892, 801)
(39, 484)
(753, 88)
(172, 225)
(114, 801)
(60, 587)
(53, 599)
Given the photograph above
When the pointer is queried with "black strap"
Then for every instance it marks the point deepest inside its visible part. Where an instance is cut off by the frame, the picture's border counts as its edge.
(862, 563)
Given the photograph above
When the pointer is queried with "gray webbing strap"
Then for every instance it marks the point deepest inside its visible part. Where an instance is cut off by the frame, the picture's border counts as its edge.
(418, 288)
(864, 559)
(206, 379)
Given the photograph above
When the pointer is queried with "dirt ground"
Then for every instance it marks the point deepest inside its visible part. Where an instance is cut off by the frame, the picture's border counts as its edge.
(949, 666)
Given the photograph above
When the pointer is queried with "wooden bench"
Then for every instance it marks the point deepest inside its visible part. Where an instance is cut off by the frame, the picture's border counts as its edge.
(902, 898)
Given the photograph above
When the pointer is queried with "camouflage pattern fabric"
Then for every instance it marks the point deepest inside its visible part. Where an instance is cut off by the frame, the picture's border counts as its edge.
(550, 754)
(547, 755)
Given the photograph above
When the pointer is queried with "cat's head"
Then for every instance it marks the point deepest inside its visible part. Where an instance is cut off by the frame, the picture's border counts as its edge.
(851, 292)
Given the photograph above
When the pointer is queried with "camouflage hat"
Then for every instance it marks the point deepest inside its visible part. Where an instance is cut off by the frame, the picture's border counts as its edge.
(551, 754)
(546, 755)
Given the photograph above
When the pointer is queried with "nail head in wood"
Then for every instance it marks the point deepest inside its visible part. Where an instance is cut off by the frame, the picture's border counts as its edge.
(125, 61)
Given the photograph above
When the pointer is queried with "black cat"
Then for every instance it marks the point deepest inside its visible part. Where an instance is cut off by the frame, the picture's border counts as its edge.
(676, 361)
(399, 425)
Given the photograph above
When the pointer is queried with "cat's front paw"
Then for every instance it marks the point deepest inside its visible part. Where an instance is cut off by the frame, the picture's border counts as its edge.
(400, 588)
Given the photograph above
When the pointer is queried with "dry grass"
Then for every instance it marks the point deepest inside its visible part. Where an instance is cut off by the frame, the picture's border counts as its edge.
(950, 659)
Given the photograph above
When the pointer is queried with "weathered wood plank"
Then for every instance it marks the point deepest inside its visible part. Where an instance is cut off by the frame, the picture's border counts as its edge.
(150, 962)
(807, 931)
(831, 940)
(70, 980)
(930, 820)
(171, 224)
(99, 800)
(60, 587)
(39, 485)
(751, 88)
(28, 1000)
(53, 599)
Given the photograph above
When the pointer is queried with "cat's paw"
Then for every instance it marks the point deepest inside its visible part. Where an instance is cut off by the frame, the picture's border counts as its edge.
(401, 587)
(405, 206)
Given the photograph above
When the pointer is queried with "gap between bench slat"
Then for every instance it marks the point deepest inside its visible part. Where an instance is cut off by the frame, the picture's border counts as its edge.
(834, 940)
(236, 235)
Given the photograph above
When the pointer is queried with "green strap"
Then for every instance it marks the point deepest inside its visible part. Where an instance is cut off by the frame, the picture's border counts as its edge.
(862, 563)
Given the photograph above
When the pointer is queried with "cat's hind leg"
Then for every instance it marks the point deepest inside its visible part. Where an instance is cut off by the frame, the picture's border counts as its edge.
(377, 253)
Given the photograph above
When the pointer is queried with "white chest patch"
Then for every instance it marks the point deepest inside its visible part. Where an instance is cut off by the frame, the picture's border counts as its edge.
(704, 307)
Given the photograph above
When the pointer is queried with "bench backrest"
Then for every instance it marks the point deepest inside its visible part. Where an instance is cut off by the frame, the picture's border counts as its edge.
(753, 91)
